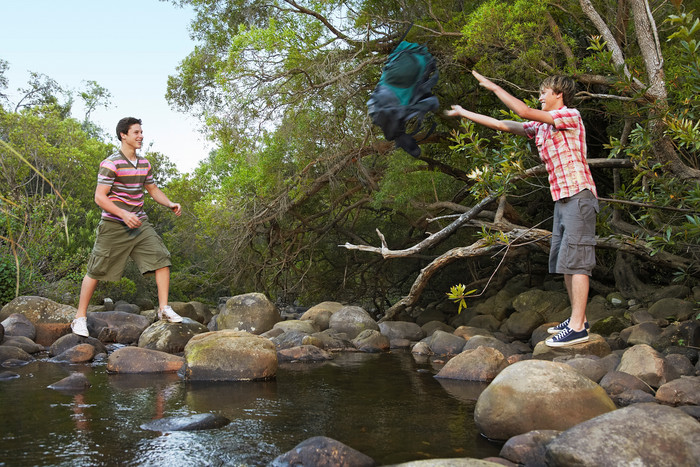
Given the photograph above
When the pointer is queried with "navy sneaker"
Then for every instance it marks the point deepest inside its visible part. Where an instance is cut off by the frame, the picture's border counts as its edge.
(563, 325)
(567, 337)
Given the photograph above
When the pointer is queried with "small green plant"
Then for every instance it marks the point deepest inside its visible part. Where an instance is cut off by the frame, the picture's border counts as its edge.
(457, 295)
(7, 279)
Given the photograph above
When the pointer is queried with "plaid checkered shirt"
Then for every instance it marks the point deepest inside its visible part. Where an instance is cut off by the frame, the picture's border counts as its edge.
(562, 148)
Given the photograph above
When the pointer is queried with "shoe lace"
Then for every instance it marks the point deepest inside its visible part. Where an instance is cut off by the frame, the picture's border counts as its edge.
(563, 334)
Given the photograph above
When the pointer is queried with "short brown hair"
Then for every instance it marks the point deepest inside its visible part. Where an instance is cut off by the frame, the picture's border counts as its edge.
(563, 85)
(124, 124)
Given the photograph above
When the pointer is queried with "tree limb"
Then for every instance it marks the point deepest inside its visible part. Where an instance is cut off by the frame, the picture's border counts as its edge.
(437, 237)
(612, 44)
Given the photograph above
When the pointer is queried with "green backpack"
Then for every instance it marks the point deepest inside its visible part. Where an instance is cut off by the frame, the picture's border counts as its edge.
(404, 93)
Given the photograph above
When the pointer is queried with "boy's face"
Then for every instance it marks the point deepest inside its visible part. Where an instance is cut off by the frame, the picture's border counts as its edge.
(550, 100)
(134, 138)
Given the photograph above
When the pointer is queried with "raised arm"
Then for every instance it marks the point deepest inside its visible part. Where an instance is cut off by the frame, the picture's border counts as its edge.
(513, 103)
(502, 125)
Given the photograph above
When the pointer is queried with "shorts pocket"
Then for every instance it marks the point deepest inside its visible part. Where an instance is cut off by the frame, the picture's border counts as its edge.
(580, 252)
(98, 263)
(589, 207)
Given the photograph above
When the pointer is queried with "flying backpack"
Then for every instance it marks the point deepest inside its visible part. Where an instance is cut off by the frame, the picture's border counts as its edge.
(404, 93)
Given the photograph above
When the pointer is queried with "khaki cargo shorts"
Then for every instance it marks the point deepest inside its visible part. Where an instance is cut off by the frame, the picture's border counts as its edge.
(573, 234)
(116, 242)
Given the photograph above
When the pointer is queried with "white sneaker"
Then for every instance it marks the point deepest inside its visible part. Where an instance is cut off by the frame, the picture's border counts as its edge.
(169, 315)
(79, 327)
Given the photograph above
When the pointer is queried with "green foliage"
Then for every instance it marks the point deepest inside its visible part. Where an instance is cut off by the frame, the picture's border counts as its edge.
(457, 294)
(7, 278)
(123, 289)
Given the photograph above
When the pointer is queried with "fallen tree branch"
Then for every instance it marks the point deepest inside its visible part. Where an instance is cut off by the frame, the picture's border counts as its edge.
(478, 248)
(523, 236)
(435, 238)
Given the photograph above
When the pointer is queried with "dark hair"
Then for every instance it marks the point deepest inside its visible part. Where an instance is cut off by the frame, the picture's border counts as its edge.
(563, 85)
(124, 125)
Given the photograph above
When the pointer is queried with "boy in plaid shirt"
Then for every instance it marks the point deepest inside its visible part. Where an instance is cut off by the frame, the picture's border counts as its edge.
(561, 142)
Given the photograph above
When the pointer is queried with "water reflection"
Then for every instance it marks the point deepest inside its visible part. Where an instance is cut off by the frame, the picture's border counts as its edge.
(388, 406)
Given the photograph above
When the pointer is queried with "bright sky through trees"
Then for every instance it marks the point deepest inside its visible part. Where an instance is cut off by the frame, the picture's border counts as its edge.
(128, 47)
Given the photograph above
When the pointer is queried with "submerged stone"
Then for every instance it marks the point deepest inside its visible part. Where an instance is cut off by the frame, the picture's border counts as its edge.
(202, 421)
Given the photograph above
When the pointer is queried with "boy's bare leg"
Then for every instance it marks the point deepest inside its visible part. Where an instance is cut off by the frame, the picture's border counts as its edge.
(163, 284)
(87, 289)
(577, 286)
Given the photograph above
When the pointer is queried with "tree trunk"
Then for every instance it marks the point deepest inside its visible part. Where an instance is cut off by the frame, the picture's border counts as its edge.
(626, 280)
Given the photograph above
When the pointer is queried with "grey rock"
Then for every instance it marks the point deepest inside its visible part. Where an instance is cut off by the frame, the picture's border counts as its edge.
(641, 434)
(321, 451)
(204, 421)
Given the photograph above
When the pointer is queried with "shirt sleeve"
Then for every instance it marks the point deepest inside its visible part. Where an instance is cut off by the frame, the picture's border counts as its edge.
(530, 128)
(107, 173)
(565, 119)
(149, 175)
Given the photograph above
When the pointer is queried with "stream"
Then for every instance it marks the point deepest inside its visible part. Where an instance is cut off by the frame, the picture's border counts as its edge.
(388, 406)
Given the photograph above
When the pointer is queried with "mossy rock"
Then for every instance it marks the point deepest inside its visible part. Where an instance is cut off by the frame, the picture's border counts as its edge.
(609, 325)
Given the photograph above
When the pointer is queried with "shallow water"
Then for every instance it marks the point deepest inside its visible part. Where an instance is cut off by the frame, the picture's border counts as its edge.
(388, 406)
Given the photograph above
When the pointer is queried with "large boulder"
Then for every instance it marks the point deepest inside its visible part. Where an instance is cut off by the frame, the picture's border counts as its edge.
(538, 395)
(596, 345)
(329, 340)
(186, 310)
(529, 448)
(23, 343)
(641, 434)
(18, 324)
(251, 312)
(305, 326)
(642, 333)
(321, 313)
(480, 364)
(304, 353)
(10, 353)
(71, 340)
(371, 341)
(401, 330)
(170, 337)
(444, 343)
(486, 341)
(548, 304)
(431, 327)
(679, 310)
(590, 367)
(681, 391)
(321, 451)
(683, 334)
(140, 360)
(51, 319)
(287, 340)
(121, 327)
(230, 355)
(648, 365)
(352, 320)
(202, 311)
(81, 353)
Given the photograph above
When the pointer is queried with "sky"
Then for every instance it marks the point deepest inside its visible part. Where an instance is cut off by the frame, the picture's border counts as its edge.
(128, 47)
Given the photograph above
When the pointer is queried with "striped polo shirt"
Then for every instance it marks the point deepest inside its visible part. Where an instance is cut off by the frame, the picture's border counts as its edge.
(562, 148)
(127, 183)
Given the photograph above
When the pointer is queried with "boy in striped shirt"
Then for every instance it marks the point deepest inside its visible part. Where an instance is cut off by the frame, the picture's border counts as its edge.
(124, 230)
(561, 142)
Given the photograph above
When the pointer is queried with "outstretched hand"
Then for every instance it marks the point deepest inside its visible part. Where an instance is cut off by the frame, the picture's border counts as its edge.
(455, 111)
(484, 81)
